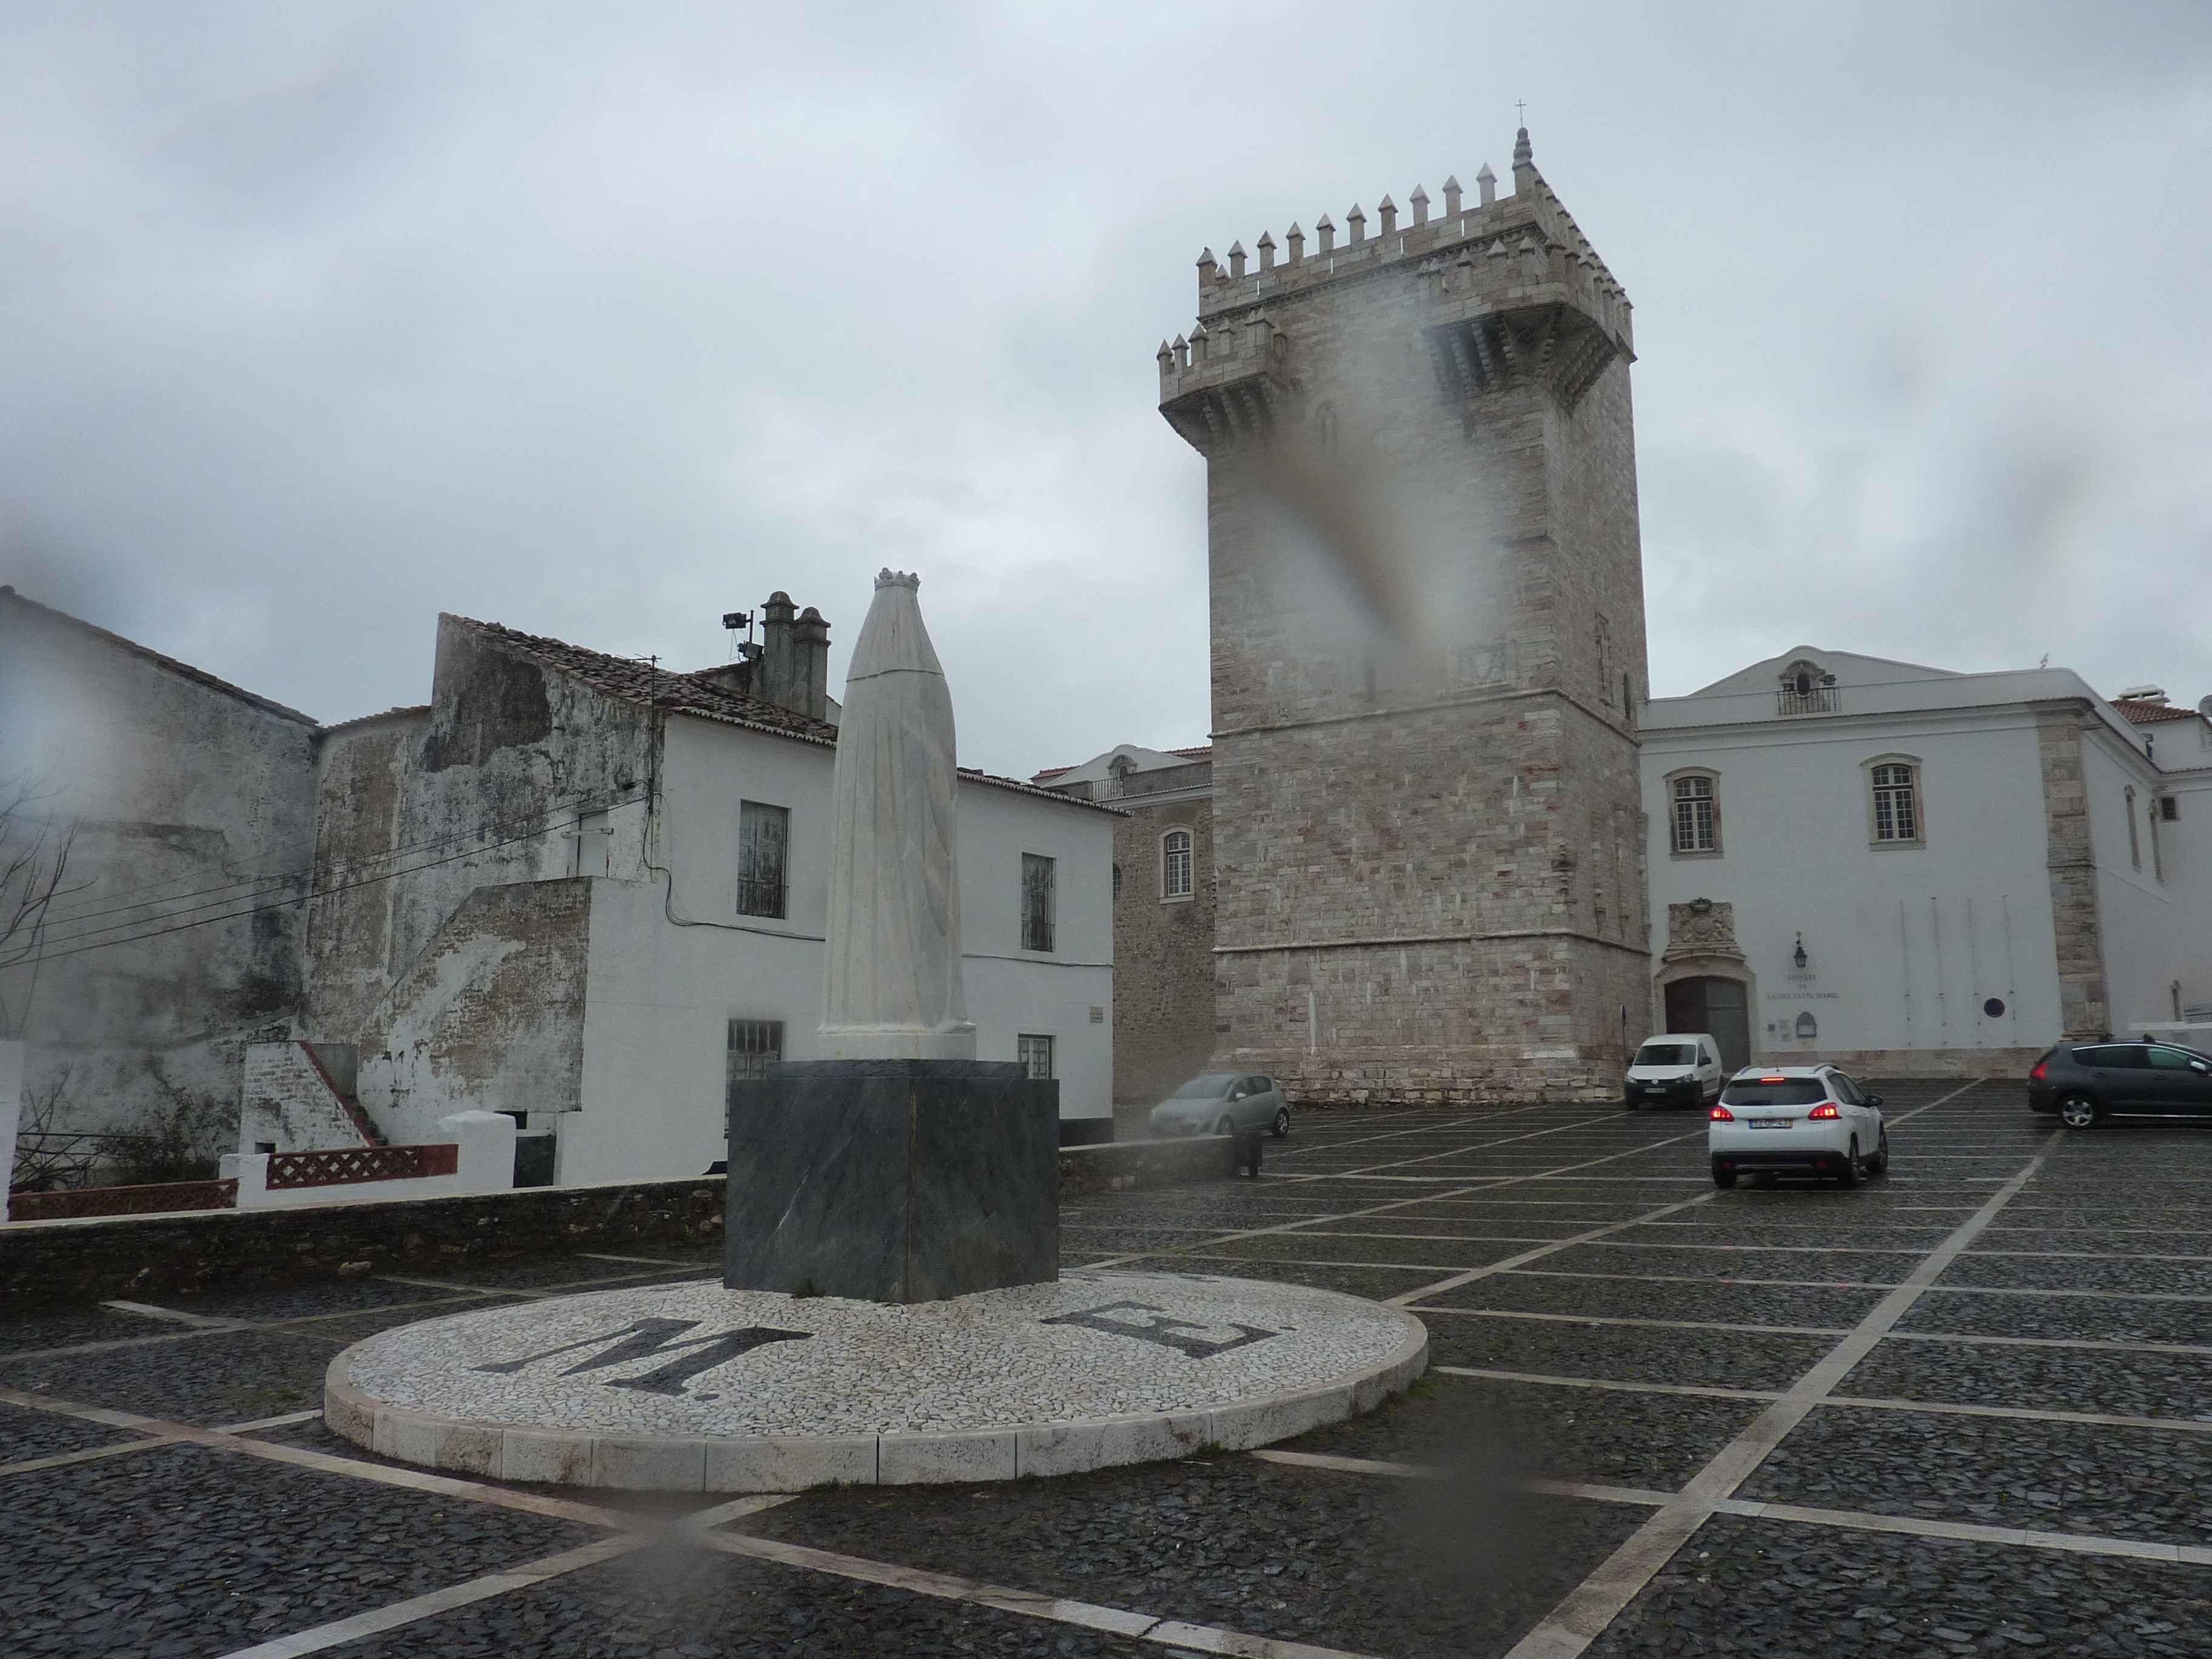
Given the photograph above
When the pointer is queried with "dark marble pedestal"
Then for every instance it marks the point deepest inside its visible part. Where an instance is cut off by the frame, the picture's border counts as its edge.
(893, 1180)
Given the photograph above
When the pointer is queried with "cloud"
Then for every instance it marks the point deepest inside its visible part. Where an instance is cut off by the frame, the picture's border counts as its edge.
(600, 323)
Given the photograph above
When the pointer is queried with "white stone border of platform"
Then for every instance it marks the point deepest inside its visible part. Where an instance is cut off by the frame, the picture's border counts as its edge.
(764, 1463)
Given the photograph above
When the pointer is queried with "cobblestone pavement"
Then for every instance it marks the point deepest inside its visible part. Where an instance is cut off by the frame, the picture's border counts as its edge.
(1963, 1409)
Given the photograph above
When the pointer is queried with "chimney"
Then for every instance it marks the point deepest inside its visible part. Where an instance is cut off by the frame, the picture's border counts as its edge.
(793, 670)
(810, 638)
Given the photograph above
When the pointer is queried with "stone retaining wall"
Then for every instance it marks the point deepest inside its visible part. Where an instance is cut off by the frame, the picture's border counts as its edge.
(148, 1257)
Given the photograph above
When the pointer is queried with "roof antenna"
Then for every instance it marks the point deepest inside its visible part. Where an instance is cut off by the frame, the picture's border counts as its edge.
(733, 620)
(2046, 663)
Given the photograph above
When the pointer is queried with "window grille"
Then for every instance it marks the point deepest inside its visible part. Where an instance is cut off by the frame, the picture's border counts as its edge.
(763, 836)
(1695, 825)
(1896, 808)
(755, 1045)
(1174, 864)
(1037, 902)
(1036, 1054)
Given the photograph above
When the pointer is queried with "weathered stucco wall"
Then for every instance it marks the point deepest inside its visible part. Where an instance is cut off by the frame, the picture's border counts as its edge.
(490, 1016)
(192, 803)
(361, 777)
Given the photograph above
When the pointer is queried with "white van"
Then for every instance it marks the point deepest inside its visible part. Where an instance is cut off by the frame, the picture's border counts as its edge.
(1673, 1068)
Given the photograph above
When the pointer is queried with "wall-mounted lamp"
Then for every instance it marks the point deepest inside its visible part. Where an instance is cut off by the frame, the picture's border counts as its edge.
(1798, 955)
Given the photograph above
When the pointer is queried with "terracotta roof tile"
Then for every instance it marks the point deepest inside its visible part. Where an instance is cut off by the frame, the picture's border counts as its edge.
(689, 694)
(2140, 711)
(642, 682)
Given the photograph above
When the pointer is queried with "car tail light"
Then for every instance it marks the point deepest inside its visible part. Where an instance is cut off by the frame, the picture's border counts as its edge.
(1722, 1114)
(1824, 1110)
(2041, 1072)
(1774, 1079)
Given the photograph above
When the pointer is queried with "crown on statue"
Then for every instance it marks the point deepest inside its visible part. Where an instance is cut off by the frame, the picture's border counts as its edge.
(897, 578)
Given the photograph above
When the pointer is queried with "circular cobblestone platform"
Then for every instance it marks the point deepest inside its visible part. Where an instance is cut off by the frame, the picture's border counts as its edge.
(694, 1387)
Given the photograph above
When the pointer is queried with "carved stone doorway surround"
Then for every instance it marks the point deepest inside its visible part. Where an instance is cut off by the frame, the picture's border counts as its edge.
(1701, 943)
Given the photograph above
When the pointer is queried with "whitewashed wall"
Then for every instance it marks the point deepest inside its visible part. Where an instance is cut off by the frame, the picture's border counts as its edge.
(2157, 927)
(1906, 945)
(671, 964)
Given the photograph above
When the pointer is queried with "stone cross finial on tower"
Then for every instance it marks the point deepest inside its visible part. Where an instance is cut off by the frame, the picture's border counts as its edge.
(1485, 183)
(1388, 211)
(1419, 198)
(1451, 196)
(1357, 222)
(1266, 246)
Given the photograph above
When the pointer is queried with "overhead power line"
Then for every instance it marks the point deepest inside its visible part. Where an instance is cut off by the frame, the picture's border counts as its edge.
(41, 956)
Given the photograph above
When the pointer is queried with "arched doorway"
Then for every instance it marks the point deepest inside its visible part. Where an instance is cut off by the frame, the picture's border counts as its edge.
(1710, 1003)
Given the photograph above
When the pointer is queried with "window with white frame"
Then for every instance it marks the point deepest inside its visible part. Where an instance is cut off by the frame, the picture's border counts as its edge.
(763, 840)
(1034, 1053)
(1174, 864)
(754, 1046)
(1696, 814)
(1896, 786)
(1038, 901)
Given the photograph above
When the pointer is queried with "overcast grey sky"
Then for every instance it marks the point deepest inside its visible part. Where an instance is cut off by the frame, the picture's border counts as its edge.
(598, 321)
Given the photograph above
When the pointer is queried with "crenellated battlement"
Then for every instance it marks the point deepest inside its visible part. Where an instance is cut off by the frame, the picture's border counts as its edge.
(1293, 266)
(1508, 286)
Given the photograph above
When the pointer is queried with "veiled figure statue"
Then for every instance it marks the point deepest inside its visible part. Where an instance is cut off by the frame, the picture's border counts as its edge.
(892, 985)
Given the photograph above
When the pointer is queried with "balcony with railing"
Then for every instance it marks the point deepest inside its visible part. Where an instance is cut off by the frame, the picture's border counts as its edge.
(1806, 700)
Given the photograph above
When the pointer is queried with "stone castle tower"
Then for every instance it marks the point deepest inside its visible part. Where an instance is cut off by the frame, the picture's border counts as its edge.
(1427, 603)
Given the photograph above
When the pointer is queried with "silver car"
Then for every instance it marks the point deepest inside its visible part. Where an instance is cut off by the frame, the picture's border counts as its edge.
(1219, 1103)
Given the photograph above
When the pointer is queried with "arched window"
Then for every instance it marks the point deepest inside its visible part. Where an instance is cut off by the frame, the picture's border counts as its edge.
(1894, 784)
(1695, 810)
(1174, 864)
(1117, 881)
(1807, 689)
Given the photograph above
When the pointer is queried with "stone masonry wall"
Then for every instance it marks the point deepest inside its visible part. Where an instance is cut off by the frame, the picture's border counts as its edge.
(2084, 1007)
(1163, 952)
(164, 1255)
(1427, 613)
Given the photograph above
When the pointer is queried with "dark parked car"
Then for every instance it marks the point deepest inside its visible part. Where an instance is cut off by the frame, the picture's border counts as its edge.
(1220, 1103)
(2085, 1083)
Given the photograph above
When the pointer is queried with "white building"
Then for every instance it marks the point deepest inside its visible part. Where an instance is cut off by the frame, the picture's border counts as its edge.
(1902, 870)
(574, 888)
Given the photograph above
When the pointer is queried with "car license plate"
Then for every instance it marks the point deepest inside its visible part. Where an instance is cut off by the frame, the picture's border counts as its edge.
(1771, 1122)
(1654, 1087)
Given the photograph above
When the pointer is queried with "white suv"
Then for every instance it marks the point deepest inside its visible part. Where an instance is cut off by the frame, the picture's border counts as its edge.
(1809, 1119)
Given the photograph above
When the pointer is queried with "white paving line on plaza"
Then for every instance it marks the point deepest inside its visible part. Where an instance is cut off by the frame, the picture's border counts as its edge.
(1855, 1285)
(313, 1414)
(508, 1579)
(204, 1322)
(1586, 1611)
(276, 1452)
(1851, 1520)
(93, 1455)
(1113, 1621)
(468, 1289)
(1641, 1324)
(1407, 1298)
(1609, 1385)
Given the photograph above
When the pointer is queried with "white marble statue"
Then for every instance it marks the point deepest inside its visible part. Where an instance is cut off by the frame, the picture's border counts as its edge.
(891, 987)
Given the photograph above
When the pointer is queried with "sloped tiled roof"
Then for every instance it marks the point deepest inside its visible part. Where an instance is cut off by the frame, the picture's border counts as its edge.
(642, 682)
(1202, 751)
(691, 694)
(182, 670)
(2140, 711)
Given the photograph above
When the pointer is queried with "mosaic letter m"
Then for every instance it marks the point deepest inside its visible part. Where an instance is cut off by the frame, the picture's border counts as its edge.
(648, 1337)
